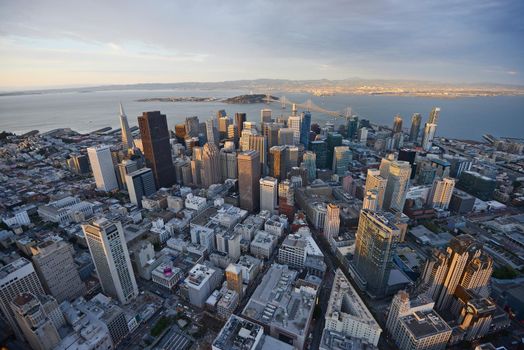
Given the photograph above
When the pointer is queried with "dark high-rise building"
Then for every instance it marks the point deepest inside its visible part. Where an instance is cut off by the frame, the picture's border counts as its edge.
(352, 127)
(240, 118)
(407, 155)
(397, 124)
(249, 179)
(334, 139)
(157, 149)
(305, 127)
(320, 150)
(416, 120)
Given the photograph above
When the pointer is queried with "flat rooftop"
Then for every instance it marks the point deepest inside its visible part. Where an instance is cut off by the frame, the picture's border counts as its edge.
(423, 324)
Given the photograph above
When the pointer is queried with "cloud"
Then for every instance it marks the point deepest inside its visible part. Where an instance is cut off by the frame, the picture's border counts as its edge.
(457, 40)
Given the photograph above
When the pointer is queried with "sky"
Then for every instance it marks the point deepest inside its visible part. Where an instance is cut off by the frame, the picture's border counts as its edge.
(46, 43)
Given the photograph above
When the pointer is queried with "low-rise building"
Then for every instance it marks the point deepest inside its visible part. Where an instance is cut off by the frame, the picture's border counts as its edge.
(166, 275)
(347, 314)
(263, 245)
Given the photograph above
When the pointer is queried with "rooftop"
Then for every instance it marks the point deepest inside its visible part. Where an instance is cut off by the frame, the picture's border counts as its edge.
(238, 334)
(344, 302)
(422, 324)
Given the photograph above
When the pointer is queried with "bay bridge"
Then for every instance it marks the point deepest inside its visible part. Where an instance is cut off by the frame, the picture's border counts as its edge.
(310, 106)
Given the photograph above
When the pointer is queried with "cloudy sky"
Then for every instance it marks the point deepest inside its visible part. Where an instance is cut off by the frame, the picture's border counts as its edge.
(70, 43)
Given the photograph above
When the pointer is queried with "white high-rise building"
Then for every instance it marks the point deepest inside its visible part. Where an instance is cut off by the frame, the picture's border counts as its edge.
(430, 128)
(414, 325)
(16, 278)
(140, 183)
(397, 185)
(363, 135)
(108, 249)
(268, 193)
(440, 194)
(293, 123)
(374, 181)
(103, 167)
(429, 134)
(127, 137)
(332, 225)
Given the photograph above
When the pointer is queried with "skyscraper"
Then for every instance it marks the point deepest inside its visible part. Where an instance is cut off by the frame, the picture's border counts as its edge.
(271, 133)
(157, 149)
(248, 179)
(441, 192)
(352, 127)
(397, 124)
(429, 134)
(210, 165)
(332, 225)
(305, 128)
(268, 194)
(374, 181)
(294, 123)
(430, 129)
(240, 118)
(36, 316)
(278, 162)
(140, 183)
(342, 156)
(16, 278)
(397, 186)
(265, 115)
(416, 120)
(414, 325)
(375, 244)
(320, 150)
(103, 168)
(309, 162)
(192, 126)
(286, 136)
(434, 115)
(108, 249)
(228, 164)
(127, 137)
(334, 139)
(55, 266)
(259, 144)
(223, 124)
(463, 264)
(213, 135)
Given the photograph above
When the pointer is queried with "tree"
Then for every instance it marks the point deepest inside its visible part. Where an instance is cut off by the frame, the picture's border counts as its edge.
(505, 273)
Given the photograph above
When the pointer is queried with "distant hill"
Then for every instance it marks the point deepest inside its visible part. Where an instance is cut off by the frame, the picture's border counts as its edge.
(319, 87)
(248, 99)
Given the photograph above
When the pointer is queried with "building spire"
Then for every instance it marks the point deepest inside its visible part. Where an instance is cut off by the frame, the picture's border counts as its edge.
(127, 137)
(122, 113)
